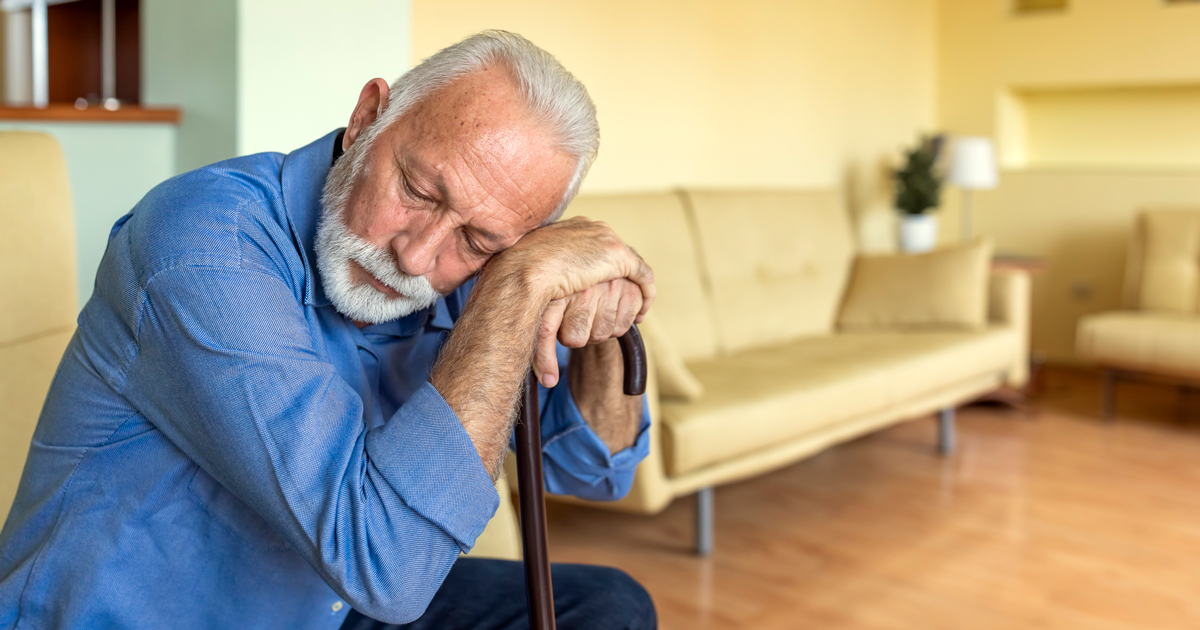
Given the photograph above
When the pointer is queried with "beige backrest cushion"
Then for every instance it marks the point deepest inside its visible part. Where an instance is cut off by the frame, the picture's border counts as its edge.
(1164, 265)
(37, 282)
(946, 288)
(655, 225)
(777, 262)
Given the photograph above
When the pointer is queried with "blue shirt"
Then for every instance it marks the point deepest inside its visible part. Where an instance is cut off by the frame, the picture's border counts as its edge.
(221, 448)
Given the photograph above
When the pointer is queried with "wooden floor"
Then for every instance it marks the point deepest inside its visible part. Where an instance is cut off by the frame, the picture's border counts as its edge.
(1054, 519)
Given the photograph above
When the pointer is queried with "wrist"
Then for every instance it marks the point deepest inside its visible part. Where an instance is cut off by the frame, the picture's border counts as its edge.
(517, 277)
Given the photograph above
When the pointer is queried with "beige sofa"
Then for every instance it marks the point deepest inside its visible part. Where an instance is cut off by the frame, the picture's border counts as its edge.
(751, 287)
(1158, 332)
(37, 280)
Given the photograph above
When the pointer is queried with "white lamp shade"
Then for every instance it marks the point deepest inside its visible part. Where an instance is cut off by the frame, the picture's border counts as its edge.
(973, 164)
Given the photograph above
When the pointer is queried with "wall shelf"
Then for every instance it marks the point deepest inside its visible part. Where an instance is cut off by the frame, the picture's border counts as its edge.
(64, 112)
(1118, 128)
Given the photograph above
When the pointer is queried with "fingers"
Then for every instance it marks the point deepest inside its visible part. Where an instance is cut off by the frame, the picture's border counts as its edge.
(606, 311)
(545, 359)
(644, 277)
(576, 329)
(629, 307)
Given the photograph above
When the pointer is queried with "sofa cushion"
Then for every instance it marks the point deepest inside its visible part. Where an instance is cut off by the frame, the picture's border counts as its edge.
(759, 398)
(1166, 343)
(777, 262)
(947, 288)
(655, 225)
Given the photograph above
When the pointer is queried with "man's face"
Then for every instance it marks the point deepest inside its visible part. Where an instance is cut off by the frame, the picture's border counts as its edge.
(457, 179)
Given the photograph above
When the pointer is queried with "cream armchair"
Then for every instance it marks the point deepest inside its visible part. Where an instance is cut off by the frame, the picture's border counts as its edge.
(1158, 331)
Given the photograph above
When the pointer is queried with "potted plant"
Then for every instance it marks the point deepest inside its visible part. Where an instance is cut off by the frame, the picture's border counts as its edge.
(918, 193)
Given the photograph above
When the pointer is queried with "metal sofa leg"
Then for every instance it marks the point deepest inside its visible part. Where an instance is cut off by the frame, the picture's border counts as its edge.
(946, 431)
(1108, 396)
(704, 521)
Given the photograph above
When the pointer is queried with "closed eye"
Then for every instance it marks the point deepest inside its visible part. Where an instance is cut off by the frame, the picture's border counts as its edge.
(474, 247)
(411, 191)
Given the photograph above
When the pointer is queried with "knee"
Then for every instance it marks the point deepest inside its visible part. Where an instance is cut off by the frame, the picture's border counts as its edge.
(608, 594)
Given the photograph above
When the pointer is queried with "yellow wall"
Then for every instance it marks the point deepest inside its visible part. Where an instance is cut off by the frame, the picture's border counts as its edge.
(1077, 214)
(727, 94)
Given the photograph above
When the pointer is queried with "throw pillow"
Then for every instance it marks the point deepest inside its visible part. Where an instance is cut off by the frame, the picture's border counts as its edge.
(945, 288)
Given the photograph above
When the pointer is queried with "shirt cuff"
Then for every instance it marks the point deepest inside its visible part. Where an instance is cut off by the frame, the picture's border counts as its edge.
(578, 461)
(427, 457)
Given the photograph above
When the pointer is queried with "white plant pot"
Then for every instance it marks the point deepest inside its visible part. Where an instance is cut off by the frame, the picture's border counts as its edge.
(918, 232)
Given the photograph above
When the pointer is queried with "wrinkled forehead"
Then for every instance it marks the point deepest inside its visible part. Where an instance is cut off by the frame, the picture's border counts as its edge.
(479, 104)
(477, 137)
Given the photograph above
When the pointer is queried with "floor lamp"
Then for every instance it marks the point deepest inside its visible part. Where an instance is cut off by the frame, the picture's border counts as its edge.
(972, 167)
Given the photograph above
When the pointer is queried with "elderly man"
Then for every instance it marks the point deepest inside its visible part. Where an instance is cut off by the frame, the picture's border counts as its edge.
(291, 393)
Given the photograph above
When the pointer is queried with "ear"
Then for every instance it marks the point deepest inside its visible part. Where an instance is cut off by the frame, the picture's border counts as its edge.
(371, 102)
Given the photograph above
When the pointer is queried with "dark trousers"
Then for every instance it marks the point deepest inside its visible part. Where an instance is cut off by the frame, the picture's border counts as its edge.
(490, 595)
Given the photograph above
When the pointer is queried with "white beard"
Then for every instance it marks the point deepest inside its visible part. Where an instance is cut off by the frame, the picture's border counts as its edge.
(336, 246)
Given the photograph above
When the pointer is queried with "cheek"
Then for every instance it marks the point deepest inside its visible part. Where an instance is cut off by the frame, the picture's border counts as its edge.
(374, 214)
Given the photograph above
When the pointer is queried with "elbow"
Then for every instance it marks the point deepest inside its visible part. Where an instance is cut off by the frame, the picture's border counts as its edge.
(398, 591)
(401, 611)
(396, 599)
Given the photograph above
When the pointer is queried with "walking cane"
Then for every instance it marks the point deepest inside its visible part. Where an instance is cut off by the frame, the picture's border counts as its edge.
(531, 487)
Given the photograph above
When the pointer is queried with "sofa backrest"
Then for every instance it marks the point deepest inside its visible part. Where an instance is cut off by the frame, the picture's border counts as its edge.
(776, 262)
(37, 280)
(656, 225)
(1163, 270)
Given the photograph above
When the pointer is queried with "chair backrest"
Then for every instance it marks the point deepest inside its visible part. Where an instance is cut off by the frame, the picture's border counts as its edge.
(1163, 269)
(38, 285)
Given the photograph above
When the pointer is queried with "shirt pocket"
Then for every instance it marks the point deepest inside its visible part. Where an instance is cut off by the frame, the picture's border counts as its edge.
(233, 515)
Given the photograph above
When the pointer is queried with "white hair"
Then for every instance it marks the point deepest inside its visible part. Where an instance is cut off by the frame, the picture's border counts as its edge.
(554, 97)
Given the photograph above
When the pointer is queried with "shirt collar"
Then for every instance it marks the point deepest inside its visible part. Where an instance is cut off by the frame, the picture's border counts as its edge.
(303, 179)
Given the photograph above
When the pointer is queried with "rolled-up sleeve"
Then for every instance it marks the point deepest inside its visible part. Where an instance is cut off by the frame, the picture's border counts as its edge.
(227, 369)
(575, 460)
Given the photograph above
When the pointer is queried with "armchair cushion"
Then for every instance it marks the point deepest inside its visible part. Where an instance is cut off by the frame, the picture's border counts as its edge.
(947, 289)
(1164, 343)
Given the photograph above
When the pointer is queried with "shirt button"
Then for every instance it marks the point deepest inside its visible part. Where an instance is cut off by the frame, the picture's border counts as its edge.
(337, 606)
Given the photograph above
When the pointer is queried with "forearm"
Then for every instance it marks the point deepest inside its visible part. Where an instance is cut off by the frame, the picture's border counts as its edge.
(595, 375)
(483, 363)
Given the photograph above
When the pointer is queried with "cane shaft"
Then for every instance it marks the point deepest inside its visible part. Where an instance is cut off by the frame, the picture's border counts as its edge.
(533, 511)
(530, 484)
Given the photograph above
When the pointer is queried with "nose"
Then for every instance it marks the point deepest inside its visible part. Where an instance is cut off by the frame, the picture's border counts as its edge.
(417, 254)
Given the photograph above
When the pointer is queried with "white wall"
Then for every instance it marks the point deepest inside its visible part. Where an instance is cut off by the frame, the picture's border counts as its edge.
(302, 63)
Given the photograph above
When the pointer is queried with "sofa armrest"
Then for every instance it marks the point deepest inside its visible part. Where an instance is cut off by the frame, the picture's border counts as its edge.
(1008, 305)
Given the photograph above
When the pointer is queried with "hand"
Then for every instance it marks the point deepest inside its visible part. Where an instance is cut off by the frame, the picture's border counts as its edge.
(572, 256)
(595, 315)
(483, 364)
